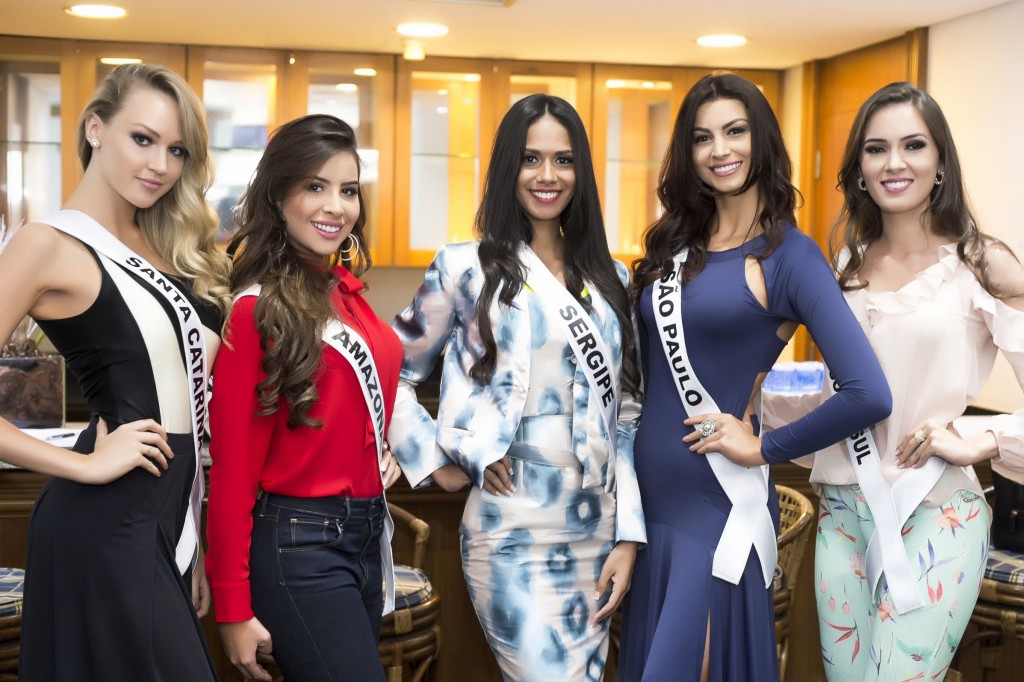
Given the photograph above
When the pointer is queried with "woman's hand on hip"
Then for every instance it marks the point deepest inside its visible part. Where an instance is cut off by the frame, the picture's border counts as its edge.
(390, 471)
(140, 444)
(726, 434)
(498, 478)
(936, 439)
(242, 641)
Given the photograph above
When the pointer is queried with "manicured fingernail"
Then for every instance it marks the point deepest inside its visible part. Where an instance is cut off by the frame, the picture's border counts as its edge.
(597, 596)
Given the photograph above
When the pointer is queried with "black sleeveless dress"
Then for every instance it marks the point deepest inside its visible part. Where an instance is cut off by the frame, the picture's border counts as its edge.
(104, 600)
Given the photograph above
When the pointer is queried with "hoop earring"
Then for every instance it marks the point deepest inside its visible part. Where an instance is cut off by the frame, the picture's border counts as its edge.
(352, 250)
(940, 177)
(861, 184)
(279, 253)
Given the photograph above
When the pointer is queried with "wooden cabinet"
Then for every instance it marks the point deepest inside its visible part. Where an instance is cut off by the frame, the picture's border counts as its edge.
(425, 128)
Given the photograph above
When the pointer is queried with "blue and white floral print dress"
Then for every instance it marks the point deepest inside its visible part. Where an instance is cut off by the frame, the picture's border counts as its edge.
(531, 560)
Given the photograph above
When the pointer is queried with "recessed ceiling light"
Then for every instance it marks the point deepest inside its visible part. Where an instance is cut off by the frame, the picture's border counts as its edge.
(96, 11)
(365, 72)
(614, 83)
(347, 87)
(422, 30)
(721, 41)
(118, 61)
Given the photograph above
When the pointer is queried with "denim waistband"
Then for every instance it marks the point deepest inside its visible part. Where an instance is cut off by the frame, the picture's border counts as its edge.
(337, 505)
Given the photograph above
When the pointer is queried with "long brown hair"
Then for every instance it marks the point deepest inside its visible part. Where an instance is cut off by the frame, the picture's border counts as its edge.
(949, 212)
(294, 305)
(180, 227)
(689, 204)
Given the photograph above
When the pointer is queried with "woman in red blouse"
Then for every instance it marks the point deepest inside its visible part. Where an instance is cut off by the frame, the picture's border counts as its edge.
(305, 385)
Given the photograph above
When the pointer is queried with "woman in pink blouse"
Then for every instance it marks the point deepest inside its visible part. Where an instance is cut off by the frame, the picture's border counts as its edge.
(937, 299)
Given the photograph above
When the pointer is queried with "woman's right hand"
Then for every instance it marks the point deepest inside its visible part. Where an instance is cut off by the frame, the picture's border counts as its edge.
(242, 641)
(139, 444)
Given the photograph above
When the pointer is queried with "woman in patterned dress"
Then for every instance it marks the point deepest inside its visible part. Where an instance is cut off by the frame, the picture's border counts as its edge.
(553, 519)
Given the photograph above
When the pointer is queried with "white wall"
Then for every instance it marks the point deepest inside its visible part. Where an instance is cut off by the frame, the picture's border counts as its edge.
(973, 73)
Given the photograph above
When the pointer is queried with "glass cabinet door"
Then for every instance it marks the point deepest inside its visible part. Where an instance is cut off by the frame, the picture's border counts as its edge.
(240, 91)
(634, 111)
(443, 133)
(30, 138)
(358, 89)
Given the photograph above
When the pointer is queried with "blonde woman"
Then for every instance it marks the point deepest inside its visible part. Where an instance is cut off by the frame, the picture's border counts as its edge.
(128, 285)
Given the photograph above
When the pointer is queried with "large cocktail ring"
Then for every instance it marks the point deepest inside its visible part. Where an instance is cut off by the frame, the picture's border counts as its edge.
(706, 427)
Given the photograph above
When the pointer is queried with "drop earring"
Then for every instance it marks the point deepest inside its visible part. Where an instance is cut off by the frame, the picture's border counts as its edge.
(940, 177)
(349, 250)
(861, 184)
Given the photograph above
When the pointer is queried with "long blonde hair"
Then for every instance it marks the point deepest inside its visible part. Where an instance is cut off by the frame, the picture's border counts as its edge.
(180, 227)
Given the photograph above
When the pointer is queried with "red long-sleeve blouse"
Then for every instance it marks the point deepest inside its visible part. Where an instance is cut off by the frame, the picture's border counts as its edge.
(251, 453)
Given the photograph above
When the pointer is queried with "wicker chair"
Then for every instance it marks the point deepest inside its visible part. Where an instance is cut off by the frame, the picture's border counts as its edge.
(411, 634)
(795, 516)
(12, 581)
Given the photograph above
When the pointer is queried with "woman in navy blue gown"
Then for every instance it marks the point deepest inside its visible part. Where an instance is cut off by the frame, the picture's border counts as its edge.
(701, 601)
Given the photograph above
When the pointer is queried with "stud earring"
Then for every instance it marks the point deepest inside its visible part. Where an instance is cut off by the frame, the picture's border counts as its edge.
(94, 143)
(861, 185)
(940, 177)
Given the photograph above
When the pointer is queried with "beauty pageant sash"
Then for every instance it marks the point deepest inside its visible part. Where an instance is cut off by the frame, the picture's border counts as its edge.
(890, 509)
(351, 346)
(190, 328)
(592, 353)
(749, 523)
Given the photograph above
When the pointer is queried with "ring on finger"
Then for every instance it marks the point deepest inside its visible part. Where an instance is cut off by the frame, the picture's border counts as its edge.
(706, 427)
(919, 436)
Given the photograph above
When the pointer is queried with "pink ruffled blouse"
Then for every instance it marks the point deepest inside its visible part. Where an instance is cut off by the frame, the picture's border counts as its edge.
(936, 339)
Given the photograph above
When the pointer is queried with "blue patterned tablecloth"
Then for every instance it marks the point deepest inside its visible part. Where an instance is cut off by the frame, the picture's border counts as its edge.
(1006, 567)
(12, 587)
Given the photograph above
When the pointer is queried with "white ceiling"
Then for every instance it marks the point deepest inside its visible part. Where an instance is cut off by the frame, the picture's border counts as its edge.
(782, 33)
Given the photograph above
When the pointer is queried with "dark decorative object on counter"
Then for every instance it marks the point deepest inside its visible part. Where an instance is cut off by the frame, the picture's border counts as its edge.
(31, 382)
(32, 391)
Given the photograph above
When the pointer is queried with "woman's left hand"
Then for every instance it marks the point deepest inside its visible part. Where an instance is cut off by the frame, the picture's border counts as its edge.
(390, 471)
(200, 586)
(618, 569)
(934, 438)
(733, 438)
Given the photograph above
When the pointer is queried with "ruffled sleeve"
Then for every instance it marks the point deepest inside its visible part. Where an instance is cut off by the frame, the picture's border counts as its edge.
(1006, 325)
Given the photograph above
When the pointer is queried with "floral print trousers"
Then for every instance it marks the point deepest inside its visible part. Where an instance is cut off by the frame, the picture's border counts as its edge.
(862, 637)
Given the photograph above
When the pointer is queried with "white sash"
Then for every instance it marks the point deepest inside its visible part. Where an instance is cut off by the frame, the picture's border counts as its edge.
(592, 353)
(890, 509)
(354, 349)
(88, 231)
(749, 523)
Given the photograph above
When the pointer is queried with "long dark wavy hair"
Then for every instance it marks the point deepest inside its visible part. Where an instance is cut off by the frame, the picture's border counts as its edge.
(949, 213)
(503, 225)
(294, 305)
(689, 203)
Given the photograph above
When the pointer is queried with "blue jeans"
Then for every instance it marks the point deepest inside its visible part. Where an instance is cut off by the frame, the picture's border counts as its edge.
(316, 579)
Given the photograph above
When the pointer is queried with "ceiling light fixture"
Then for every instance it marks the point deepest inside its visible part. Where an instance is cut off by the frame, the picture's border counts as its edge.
(365, 72)
(118, 61)
(96, 11)
(347, 87)
(422, 30)
(412, 50)
(721, 41)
